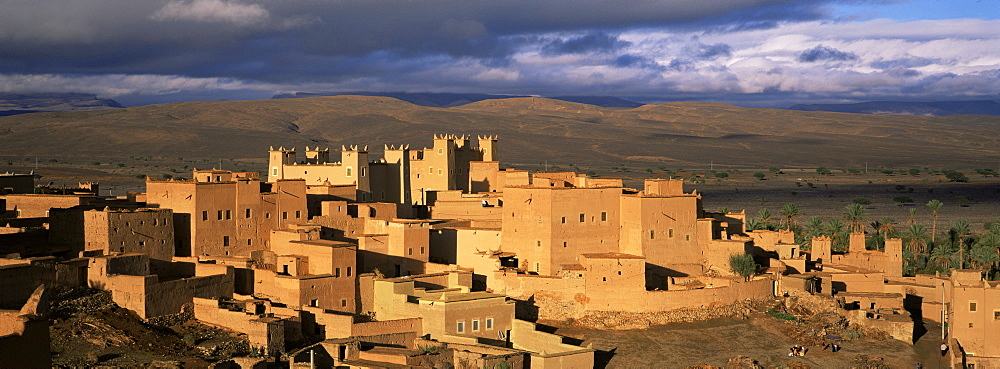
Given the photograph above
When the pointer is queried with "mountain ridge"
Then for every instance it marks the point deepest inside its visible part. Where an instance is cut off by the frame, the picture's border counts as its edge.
(531, 130)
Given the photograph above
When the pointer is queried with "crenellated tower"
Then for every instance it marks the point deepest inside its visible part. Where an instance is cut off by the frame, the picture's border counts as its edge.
(277, 160)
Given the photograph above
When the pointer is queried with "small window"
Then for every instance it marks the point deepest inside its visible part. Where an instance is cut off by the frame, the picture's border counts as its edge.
(336, 273)
(267, 215)
(348, 271)
(314, 303)
(349, 169)
(229, 214)
(687, 237)
(343, 302)
(538, 243)
(604, 216)
(249, 242)
(421, 250)
(996, 315)
(461, 327)
(284, 215)
(220, 214)
(489, 323)
(440, 171)
(564, 243)
(362, 171)
(225, 240)
(563, 220)
(583, 217)
(475, 325)
(670, 233)
(972, 306)
(409, 251)
(274, 171)
(204, 215)
(298, 214)
(652, 234)
(247, 215)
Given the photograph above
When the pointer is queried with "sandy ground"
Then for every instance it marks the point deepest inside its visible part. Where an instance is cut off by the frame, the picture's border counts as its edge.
(714, 342)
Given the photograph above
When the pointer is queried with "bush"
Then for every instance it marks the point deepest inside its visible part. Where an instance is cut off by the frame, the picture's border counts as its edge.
(955, 176)
(774, 169)
(902, 199)
(95, 163)
(140, 176)
(822, 171)
(853, 170)
(742, 265)
(888, 171)
(914, 171)
(760, 175)
(862, 201)
(722, 174)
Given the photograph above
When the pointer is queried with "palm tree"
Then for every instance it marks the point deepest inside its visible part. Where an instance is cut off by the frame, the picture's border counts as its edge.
(913, 214)
(764, 216)
(915, 238)
(887, 226)
(981, 256)
(958, 231)
(835, 229)
(990, 241)
(854, 214)
(753, 224)
(942, 255)
(934, 205)
(790, 211)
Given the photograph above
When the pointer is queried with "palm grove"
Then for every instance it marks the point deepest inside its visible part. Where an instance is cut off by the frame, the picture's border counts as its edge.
(925, 251)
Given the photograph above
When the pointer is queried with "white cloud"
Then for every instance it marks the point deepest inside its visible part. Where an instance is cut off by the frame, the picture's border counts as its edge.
(225, 11)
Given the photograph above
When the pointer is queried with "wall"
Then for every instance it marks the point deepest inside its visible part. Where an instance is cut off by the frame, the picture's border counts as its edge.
(24, 334)
(37, 206)
(547, 350)
(543, 225)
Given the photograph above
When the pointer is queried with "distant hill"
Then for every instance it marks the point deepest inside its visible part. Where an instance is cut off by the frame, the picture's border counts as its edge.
(13, 104)
(531, 130)
(605, 101)
(447, 100)
(934, 108)
(431, 99)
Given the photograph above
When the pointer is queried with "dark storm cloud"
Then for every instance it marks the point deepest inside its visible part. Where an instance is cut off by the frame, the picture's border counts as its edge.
(821, 53)
(268, 40)
(703, 52)
(635, 61)
(591, 43)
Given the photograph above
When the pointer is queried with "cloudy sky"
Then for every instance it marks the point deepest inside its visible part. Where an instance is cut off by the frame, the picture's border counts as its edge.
(771, 53)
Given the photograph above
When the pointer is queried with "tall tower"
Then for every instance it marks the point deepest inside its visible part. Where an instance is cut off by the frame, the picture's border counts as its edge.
(398, 178)
(488, 146)
(277, 160)
(894, 257)
(442, 163)
(354, 163)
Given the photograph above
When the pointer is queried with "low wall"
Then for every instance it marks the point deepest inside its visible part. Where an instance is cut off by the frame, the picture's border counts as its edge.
(208, 311)
(757, 289)
(414, 325)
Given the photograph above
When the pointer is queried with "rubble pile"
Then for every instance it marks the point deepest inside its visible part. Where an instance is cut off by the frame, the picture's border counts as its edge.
(89, 330)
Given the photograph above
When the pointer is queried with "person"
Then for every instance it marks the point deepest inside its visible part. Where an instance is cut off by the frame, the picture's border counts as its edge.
(920, 366)
(944, 348)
